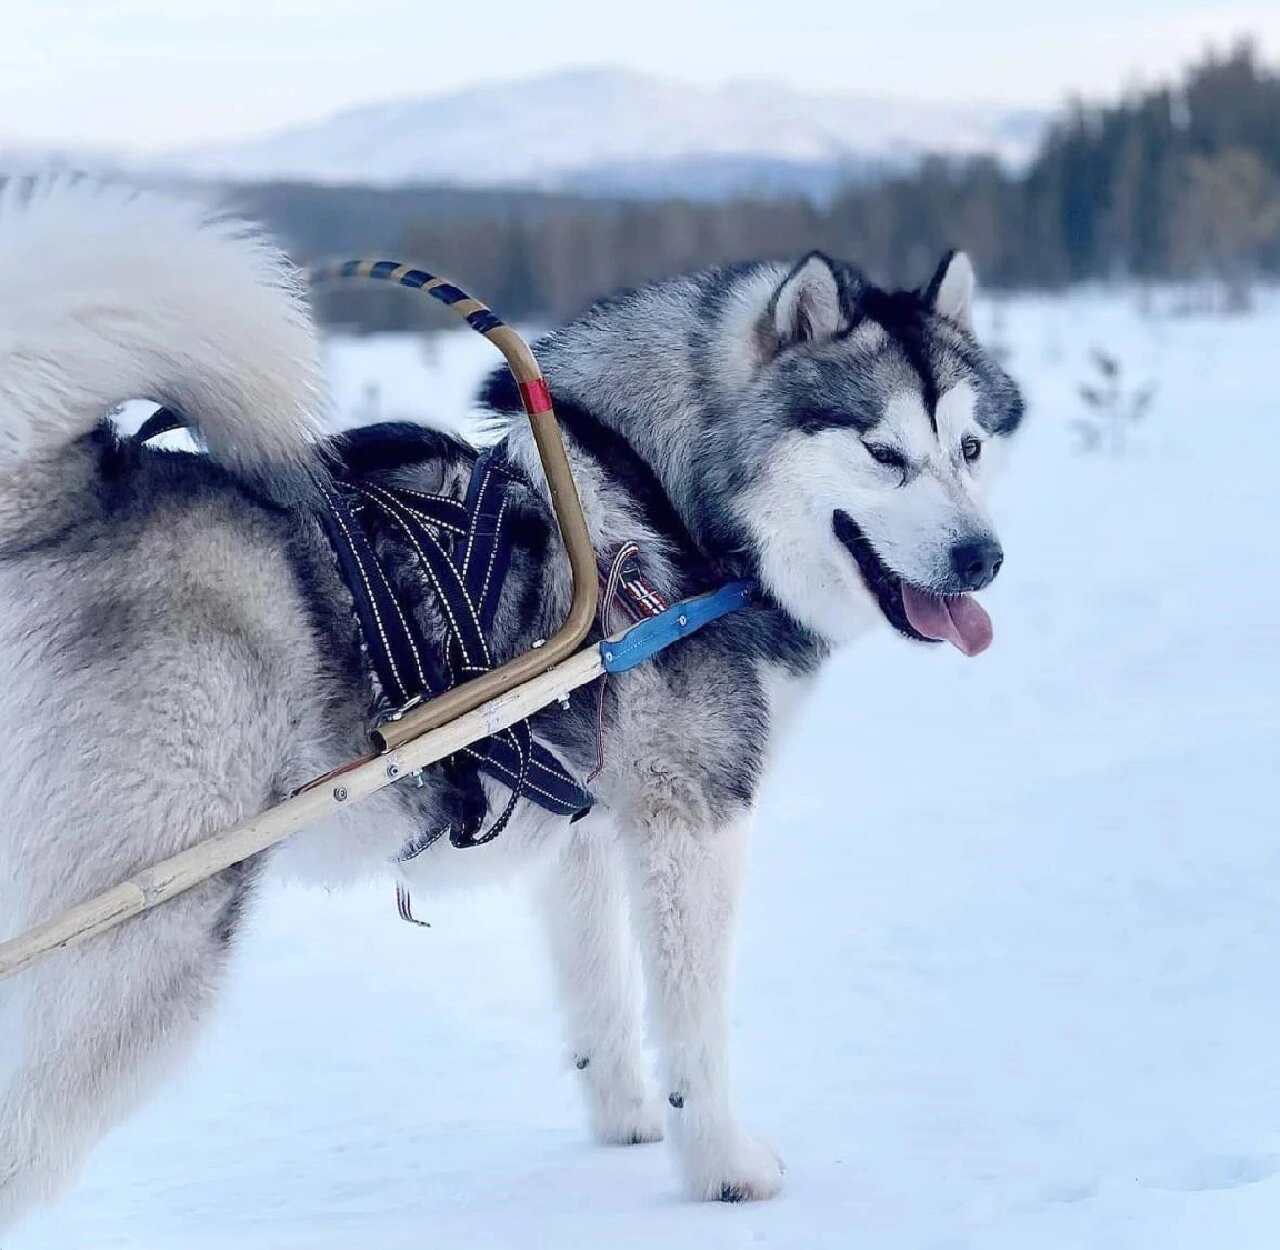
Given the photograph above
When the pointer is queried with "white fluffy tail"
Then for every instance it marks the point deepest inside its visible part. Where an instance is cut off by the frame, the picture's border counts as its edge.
(108, 294)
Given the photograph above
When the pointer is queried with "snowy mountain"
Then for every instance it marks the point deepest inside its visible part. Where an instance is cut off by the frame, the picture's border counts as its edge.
(620, 132)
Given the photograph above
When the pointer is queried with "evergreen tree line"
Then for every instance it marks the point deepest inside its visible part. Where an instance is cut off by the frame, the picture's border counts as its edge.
(1178, 182)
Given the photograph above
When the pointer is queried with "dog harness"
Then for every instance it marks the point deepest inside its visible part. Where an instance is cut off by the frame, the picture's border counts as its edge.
(463, 549)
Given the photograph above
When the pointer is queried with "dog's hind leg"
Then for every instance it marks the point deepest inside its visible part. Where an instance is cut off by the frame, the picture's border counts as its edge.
(584, 903)
(98, 1026)
(685, 894)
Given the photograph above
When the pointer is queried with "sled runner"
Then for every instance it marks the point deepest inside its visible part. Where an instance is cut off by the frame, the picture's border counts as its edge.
(485, 714)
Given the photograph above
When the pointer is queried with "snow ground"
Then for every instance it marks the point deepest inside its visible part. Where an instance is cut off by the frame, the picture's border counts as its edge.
(1012, 943)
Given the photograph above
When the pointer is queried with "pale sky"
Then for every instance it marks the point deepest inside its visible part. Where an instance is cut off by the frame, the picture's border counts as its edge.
(144, 75)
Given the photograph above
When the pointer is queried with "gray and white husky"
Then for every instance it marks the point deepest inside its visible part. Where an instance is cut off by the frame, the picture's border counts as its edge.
(177, 648)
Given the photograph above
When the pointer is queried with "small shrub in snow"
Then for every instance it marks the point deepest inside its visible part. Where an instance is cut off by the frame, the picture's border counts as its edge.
(1115, 405)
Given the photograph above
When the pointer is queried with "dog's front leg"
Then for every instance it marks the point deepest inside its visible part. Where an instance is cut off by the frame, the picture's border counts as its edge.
(685, 895)
(584, 903)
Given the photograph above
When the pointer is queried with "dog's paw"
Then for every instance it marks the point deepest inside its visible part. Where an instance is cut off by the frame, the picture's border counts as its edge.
(743, 1169)
(621, 1109)
(631, 1125)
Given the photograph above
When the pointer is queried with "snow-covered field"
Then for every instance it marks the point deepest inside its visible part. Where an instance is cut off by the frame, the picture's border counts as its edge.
(1011, 954)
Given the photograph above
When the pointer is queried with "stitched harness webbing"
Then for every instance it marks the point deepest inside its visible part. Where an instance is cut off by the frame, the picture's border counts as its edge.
(463, 550)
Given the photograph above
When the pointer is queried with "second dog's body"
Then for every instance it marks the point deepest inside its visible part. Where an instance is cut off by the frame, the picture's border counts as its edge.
(181, 621)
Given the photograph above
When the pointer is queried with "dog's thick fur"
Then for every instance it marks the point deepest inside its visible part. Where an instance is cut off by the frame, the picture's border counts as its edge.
(178, 651)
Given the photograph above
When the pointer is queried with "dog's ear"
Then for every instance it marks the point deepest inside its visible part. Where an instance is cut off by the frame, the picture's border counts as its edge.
(950, 290)
(806, 305)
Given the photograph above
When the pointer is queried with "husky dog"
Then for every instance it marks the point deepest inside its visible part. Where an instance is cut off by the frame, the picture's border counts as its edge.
(178, 650)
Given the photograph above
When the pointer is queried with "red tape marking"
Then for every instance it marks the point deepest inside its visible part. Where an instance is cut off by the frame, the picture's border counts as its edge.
(536, 396)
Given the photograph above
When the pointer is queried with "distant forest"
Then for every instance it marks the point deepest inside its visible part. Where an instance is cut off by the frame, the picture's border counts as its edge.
(1177, 182)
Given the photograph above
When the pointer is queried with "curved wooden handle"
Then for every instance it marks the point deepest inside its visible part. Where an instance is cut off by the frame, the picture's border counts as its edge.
(565, 502)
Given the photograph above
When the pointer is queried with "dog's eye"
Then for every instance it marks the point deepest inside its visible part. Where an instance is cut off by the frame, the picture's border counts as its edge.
(971, 448)
(886, 456)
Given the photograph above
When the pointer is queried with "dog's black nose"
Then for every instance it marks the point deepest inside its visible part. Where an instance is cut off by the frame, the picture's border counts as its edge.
(975, 563)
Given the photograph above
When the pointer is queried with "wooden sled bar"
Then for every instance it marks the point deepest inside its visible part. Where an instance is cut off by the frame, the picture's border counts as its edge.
(171, 877)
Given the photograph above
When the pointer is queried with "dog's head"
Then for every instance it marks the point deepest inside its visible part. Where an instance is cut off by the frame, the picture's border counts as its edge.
(880, 421)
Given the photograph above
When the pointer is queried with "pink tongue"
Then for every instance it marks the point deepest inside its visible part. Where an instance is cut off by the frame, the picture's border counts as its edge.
(962, 621)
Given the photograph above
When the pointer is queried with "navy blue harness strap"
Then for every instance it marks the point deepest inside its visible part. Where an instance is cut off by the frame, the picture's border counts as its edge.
(486, 558)
(390, 639)
(468, 647)
(464, 552)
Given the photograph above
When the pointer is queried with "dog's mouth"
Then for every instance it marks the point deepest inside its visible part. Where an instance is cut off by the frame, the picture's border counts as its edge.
(913, 611)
